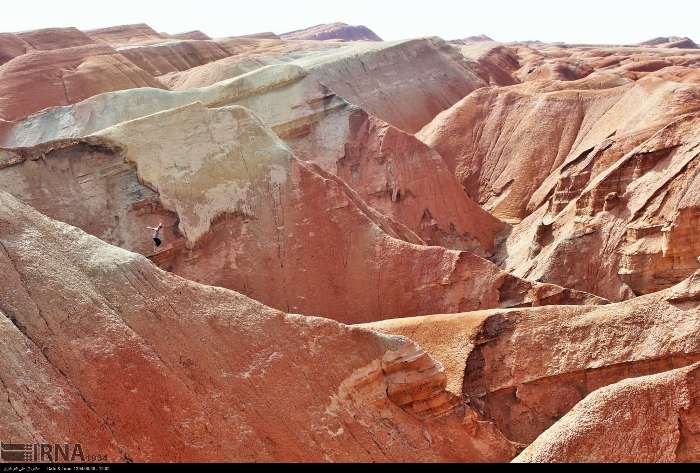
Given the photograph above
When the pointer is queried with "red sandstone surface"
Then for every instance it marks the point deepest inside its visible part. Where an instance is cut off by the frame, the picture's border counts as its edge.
(65, 75)
(414, 250)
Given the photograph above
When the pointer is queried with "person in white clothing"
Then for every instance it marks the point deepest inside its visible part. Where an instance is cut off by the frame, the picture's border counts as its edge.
(156, 236)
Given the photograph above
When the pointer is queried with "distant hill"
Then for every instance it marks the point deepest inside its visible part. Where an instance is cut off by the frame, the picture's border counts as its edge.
(671, 42)
(334, 31)
(482, 38)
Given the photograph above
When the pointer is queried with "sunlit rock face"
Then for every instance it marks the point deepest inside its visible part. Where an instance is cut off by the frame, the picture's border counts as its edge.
(657, 413)
(601, 202)
(526, 368)
(114, 319)
(233, 197)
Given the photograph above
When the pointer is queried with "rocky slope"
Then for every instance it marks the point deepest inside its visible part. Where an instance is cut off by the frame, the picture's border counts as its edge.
(648, 419)
(497, 134)
(405, 83)
(119, 356)
(391, 170)
(525, 368)
(594, 166)
(64, 76)
(223, 183)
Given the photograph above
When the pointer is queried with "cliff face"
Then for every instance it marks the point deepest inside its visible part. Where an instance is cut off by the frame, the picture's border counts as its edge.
(606, 183)
(120, 352)
(658, 414)
(529, 128)
(525, 368)
(233, 197)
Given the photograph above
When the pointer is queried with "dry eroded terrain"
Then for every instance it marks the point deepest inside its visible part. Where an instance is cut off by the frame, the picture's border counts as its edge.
(416, 250)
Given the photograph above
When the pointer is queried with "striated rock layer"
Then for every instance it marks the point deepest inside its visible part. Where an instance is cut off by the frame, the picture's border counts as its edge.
(64, 76)
(234, 200)
(126, 34)
(141, 365)
(405, 83)
(630, 203)
(507, 144)
(639, 420)
(174, 55)
(671, 42)
(526, 368)
(597, 176)
(391, 170)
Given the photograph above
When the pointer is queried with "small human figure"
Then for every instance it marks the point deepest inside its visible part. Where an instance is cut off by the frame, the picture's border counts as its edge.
(156, 236)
